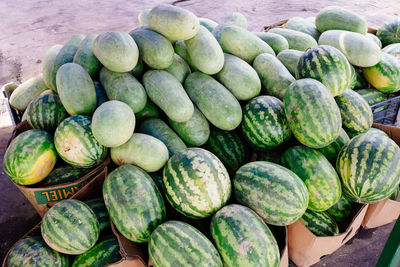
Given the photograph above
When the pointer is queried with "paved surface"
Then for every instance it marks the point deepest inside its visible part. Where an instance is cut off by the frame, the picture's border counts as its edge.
(29, 28)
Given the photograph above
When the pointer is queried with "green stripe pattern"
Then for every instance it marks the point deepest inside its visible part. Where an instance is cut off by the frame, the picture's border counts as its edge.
(102, 254)
(356, 114)
(229, 147)
(176, 243)
(33, 252)
(389, 32)
(70, 227)
(317, 173)
(320, 223)
(134, 203)
(395, 193)
(384, 76)
(331, 151)
(196, 183)
(327, 65)
(243, 239)
(312, 113)
(341, 210)
(23, 154)
(393, 49)
(264, 122)
(63, 174)
(99, 208)
(373, 96)
(46, 112)
(369, 167)
(275, 193)
(76, 144)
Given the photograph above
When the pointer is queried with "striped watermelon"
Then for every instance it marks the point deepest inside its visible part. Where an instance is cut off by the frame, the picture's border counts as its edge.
(63, 174)
(134, 203)
(356, 114)
(327, 65)
(312, 113)
(99, 208)
(275, 193)
(369, 167)
(320, 223)
(376, 131)
(76, 144)
(229, 147)
(243, 239)
(389, 32)
(176, 243)
(392, 49)
(331, 151)
(46, 112)
(30, 157)
(321, 179)
(33, 252)
(373, 96)
(341, 210)
(394, 195)
(70, 227)
(264, 122)
(102, 254)
(270, 155)
(384, 76)
(353, 77)
(196, 182)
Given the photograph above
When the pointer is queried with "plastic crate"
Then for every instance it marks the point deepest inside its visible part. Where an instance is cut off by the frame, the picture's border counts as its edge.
(389, 114)
(15, 115)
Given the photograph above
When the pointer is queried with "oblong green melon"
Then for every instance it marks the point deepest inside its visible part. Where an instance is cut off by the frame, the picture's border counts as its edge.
(369, 167)
(149, 111)
(388, 33)
(320, 223)
(179, 68)
(290, 59)
(70, 227)
(76, 89)
(135, 217)
(312, 113)
(32, 252)
(303, 25)
(236, 228)
(27, 92)
(175, 243)
(102, 254)
(236, 18)
(99, 208)
(84, 55)
(208, 23)
(341, 210)
(331, 151)
(48, 66)
(283, 203)
(142, 150)
(30, 157)
(76, 144)
(196, 183)
(338, 18)
(277, 42)
(297, 40)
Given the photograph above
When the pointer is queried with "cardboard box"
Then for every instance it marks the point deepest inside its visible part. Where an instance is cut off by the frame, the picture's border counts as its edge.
(42, 198)
(132, 255)
(306, 249)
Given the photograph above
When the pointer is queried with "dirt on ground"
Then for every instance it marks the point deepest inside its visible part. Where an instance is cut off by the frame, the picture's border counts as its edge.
(29, 28)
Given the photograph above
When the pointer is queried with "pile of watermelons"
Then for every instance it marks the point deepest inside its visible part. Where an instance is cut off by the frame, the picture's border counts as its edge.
(234, 130)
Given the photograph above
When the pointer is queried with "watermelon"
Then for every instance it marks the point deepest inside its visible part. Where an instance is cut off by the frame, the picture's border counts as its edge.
(229, 147)
(275, 193)
(176, 243)
(353, 78)
(392, 49)
(320, 223)
(179, 68)
(99, 208)
(27, 92)
(236, 18)
(331, 151)
(373, 96)
(341, 210)
(33, 252)
(113, 123)
(375, 39)
(394, 195)
(385, 75)
(63, 174)
(297, 40)
(142, 150)
(277, 42)
(196, 183)
(70, 227)
(321, 179)
(302, 25)
(356, 114)
(117, 51)
(264, 122)
(242, 238)
(30, 157)
(48, 66)
(84, 55)
(149, 111)
(101, 95)
(135, 217)
(208, 23)
(76, 144)
(46, 112)
(376, 131)
(102, 254)
(327, 65)
(143, 16)
(338, 18)
(312, 113)
(76, 89)
(369, 167)
(389, 32)
(270, 155)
